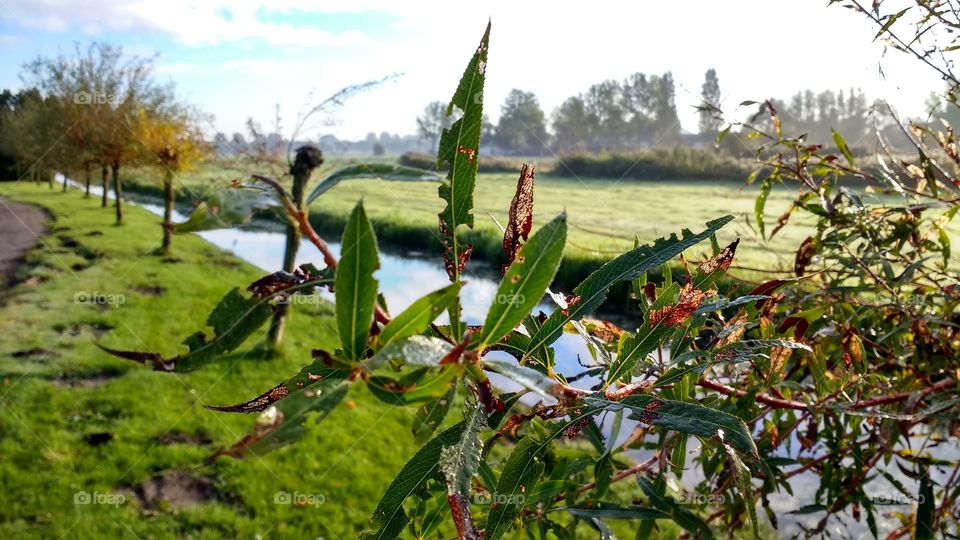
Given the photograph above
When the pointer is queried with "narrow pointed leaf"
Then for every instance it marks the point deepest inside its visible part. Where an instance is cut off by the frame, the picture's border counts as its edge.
(459, 463)
(376, 171)
(684, 417)
(526, 280)
(284, 423)
(416, 318)
(459, 150)
(389, 517)
(431, 414)
(520, 474)
(356, 289)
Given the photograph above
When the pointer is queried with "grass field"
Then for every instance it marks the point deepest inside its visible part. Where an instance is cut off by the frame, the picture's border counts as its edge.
(74, 420)
(604, 214)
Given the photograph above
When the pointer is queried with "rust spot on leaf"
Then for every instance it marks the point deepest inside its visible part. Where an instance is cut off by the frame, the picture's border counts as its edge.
(471, 153)
(721, 261)
(690, 300)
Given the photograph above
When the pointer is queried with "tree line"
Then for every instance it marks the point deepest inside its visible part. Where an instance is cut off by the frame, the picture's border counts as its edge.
(97, 110)
(640, 112)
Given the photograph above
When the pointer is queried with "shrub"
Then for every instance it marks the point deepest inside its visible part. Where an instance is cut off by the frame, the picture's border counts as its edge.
(675, 163)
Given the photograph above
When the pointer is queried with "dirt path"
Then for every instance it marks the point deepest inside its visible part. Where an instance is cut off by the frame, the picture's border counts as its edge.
(21, 226)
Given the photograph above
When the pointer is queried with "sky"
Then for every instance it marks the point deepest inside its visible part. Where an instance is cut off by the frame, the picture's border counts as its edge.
(241, 58)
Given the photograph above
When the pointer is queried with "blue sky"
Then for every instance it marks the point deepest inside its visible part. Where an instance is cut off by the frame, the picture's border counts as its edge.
(239, 59)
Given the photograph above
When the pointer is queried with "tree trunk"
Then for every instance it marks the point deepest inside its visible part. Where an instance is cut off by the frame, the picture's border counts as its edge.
(64, 183)
(117, 190)
(308, 158)
(86, 175)
(168, 198)
(103, 196)
(49, 178)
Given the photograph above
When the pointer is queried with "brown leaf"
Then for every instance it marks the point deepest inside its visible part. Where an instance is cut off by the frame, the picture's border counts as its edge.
(690, 300)
(721, 261)
(521, 215)
(804, 256)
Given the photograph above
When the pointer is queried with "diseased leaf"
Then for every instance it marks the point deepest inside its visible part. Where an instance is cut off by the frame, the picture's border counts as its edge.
(418, 387)
(376, 171)
(308, 375)
(520, 474)
(459, 149)
(593, 291)
(648, 338)
(233, 320)
(521, 215)
(685, 417)
(355, 286)
(389, 517)
(417, 318)
(283, 423)
(526, 280)
(459, 463)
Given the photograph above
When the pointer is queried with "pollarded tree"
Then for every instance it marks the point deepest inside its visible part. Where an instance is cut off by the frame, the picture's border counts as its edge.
(174, 143)
(522, 127)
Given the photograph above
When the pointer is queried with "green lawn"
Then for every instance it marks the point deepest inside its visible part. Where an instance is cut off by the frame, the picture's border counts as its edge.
(59, 389)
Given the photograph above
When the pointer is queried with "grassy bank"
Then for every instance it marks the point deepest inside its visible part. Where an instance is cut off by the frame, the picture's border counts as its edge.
(74, 420)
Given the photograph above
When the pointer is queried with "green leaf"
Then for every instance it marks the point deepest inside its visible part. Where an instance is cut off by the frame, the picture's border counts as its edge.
(608, 511)
(593, 290)
(389, 516)
(926, 507)
(416, 318)
(356, 289)
(284, 423)
(459, 149)
(520, 474)
(377, 171)
(431, 414)
(742, 475)
(525, 281)
(683, 517)
(765, 186)
(415, 388)
(690, 418)
(227, 208)
(842, 146)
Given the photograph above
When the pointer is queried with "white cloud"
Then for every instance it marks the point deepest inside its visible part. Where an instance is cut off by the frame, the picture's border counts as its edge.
(760, 48)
